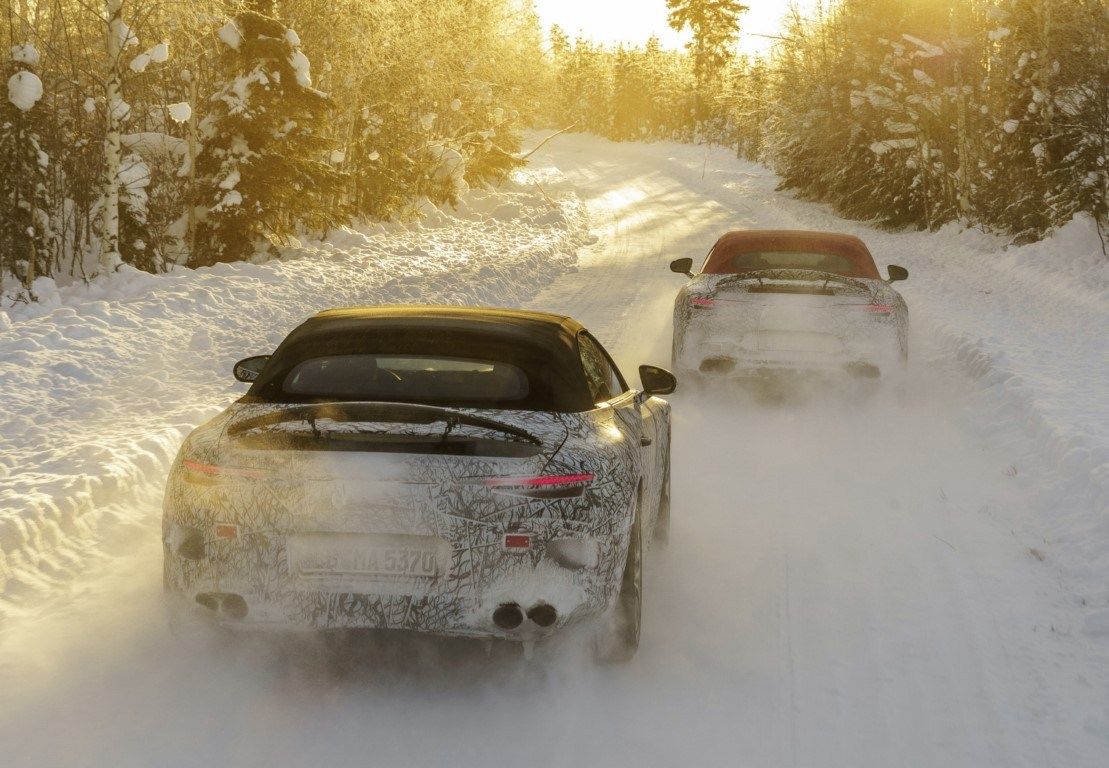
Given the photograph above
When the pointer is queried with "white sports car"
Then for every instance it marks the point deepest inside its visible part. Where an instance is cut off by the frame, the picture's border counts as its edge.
(770, 300)
(455, 471)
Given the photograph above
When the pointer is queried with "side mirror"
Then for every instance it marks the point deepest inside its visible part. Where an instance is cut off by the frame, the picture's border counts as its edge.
(897, 273)
(682, 266)
(657, 381)
(251, 368)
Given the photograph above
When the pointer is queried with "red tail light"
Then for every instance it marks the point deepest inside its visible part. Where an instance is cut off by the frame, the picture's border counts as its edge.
(541, 486)
(878, 309)
(702, 301)
(212, 472)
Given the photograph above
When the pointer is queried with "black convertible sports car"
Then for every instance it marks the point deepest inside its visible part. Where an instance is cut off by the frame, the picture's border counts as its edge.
(456, 471)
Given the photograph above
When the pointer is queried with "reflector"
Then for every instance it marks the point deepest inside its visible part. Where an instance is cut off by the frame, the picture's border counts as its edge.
(227, 531)
(517, 541)
(212, 470)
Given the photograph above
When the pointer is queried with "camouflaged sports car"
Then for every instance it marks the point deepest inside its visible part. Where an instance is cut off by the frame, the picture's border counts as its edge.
(456, 471)
(769, 300)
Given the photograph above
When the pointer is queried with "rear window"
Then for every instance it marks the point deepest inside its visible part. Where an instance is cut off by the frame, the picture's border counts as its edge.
(476, 365)
(413, 378)
(820, 262)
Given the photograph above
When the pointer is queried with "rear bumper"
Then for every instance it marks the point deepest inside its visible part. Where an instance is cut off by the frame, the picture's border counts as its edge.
(247, 585)
(728, 358)
(726, 366)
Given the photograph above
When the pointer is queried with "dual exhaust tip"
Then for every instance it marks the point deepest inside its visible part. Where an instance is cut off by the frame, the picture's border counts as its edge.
(510, 615)
(507, 616)
(226, 604)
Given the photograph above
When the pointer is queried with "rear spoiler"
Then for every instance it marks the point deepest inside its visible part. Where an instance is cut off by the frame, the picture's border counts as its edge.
(382, 412)
(794, 274)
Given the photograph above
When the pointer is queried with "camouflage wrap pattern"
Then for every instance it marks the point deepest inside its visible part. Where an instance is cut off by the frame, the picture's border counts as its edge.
(789, 319)
(284, 502)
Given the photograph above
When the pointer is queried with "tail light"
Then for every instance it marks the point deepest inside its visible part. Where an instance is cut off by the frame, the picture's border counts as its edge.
(199, 472)
(702, 301)
(878, 309)
(542, 486)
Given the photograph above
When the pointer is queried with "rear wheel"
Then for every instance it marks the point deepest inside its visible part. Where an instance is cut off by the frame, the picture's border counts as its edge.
(619, 638)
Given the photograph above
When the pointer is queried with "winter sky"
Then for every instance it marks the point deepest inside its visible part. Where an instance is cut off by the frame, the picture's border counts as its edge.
(633, 21)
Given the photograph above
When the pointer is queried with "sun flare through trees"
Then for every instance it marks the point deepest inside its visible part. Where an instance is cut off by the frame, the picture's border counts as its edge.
(157, 132)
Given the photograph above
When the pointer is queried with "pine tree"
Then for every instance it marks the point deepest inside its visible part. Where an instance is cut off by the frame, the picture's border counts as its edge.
(1049, 152)
(630, 94)
(715, 26)
(264, 164)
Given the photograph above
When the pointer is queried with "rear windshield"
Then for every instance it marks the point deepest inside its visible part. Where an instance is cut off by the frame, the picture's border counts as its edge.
(391, 377)
(488, 367)
(818, 262)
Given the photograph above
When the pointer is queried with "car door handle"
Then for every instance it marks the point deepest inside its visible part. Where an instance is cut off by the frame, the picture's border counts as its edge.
(645, 441)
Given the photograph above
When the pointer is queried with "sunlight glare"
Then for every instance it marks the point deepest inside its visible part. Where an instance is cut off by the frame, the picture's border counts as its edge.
(634, 21)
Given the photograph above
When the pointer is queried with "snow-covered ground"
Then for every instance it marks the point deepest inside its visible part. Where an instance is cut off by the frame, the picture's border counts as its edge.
(850, 583)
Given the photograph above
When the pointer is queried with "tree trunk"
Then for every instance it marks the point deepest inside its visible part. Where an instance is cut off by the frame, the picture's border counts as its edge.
(109, 229)
(190, 198)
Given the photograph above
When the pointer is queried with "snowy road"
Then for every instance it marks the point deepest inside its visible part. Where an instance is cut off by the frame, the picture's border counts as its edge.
(848, 583)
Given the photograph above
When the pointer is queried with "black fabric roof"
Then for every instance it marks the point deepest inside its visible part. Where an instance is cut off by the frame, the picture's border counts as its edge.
(543, 344)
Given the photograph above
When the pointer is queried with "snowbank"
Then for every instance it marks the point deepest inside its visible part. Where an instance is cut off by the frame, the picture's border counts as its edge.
(102, 381)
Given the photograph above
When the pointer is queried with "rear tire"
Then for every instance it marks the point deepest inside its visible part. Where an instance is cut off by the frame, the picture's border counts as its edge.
(619, 638)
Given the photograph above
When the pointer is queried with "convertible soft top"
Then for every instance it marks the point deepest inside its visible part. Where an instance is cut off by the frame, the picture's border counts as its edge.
(740, 242)
(540, 344)
(368, 325)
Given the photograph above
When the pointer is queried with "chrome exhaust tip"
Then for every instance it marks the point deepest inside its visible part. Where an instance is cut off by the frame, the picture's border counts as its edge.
(226, 604)
(719, 364)
(508, 616)
(543, 615)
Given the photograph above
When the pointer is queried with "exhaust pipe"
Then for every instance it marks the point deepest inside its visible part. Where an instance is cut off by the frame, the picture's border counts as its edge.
(543, 615)
(508, 616)
(719, 364)
(863, 370)
(226, 604)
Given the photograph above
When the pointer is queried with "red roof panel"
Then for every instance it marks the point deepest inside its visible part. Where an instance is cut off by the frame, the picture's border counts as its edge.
(769, 240)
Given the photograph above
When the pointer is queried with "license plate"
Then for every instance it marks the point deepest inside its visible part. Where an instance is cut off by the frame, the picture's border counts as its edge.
(350, 559)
